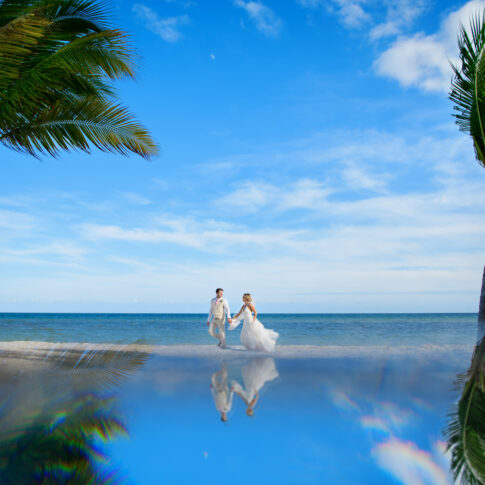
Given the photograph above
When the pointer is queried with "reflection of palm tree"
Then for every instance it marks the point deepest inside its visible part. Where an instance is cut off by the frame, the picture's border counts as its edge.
(466, 428)
(106, 368)
(61, 446)
(59, 440)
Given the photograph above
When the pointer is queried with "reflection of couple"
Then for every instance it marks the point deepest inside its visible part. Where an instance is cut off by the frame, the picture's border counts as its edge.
(254, 336)
(254, 375)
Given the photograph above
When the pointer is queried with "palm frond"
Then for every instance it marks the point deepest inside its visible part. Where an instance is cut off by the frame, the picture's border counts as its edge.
(468, 85)
(17, 42)
(79, 66)
(81, 125)
(57, 58)
(92, 11)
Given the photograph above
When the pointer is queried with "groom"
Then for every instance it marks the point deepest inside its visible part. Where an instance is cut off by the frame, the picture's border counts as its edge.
(217, 318)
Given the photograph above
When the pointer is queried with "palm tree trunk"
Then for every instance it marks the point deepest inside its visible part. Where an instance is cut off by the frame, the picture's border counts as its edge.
(481, 309)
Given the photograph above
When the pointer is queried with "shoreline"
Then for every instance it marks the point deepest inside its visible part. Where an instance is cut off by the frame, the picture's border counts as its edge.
(38, 349)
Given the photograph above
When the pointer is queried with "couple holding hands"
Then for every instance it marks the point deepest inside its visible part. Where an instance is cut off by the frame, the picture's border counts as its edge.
(254, 336)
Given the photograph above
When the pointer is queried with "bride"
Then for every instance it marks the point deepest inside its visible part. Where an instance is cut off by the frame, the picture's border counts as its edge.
(255, 375)
(253, 334)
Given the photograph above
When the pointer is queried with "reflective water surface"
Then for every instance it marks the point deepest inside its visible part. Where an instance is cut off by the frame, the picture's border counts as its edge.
(119, 416)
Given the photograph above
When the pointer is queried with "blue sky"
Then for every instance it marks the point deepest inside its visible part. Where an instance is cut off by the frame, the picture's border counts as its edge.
(308, 155)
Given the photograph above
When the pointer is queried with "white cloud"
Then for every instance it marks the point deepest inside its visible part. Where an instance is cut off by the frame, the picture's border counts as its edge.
(350, 12)
(399, 232)
(423, 60)
(190, 233)
(408, 464)
(400, 14)
(63, 249)
(304, 194)
(136, 199)
(14, 220)
(252, 196)
(265, 20)
(358, 178)
(298, 234)
(420, 61)
(249, 197)
(167, 28)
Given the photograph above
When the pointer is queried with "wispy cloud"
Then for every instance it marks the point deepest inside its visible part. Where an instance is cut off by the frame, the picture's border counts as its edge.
(63, 249)
(357, 14)
(136, 199)
(358, 178)
(167, 28)
(400, 16)
(252, 196)
(14, 220)
(350, 12)
(423, 60)
(248, 197)
(183, 3)
(420, 59)
(329, 213)
(191, 234)
(265, 20)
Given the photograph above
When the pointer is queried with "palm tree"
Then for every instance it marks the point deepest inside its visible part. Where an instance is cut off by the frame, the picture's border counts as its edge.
(468, 85)
(58, 59)
(468, 94)
(466, 427)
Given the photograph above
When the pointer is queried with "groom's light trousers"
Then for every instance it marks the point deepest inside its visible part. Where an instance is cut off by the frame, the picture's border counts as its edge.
(220, 324)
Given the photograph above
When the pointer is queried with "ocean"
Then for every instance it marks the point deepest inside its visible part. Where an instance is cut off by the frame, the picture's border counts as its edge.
(294, 329)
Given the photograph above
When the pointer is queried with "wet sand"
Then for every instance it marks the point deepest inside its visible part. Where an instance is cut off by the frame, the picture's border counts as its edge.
(34, 354)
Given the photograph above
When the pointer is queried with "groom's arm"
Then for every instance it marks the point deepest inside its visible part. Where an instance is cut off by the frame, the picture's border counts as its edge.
(228, 311)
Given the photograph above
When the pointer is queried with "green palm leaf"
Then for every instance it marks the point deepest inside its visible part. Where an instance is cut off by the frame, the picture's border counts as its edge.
(80, 124)
(468, 85)
(57, 61)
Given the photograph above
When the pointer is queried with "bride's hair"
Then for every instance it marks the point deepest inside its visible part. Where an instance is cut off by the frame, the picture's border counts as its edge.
(247, 297)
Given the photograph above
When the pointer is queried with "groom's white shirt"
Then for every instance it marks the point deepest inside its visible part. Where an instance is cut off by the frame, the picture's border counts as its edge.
(213, 306)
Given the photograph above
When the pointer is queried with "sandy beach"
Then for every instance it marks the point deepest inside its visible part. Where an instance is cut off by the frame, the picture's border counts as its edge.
(45, 351)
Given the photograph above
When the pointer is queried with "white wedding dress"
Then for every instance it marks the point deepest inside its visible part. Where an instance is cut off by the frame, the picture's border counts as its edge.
(255, 375)
(254, 336)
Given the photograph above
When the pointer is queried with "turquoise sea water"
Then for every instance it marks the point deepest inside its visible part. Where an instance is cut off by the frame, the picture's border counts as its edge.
(294, 329)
